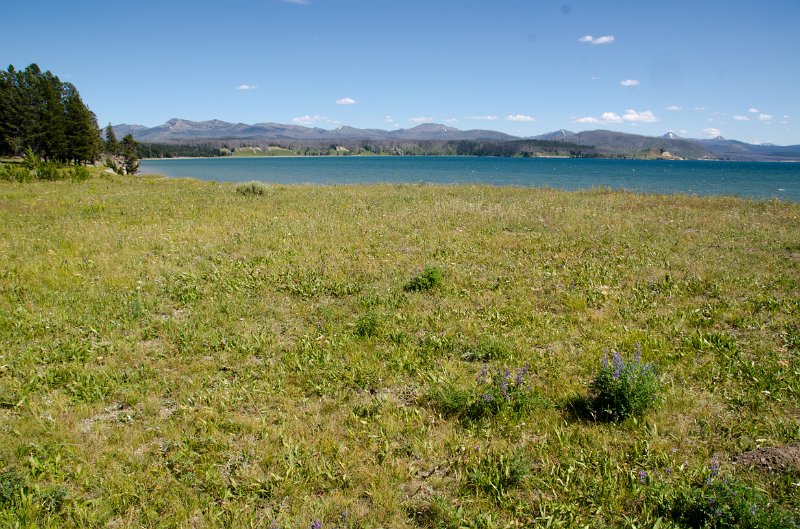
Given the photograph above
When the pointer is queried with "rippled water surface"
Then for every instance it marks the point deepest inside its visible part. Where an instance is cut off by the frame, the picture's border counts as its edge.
(746, 179)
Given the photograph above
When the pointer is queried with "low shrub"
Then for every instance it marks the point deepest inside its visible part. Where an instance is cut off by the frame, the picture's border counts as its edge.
(15, 173)
(624, 389)
(79, 173)
(251, 189)
(431, 277)
(49, 171)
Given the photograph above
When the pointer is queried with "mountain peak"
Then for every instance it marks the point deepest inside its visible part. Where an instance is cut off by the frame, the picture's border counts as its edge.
(671, 136)
(432, 127)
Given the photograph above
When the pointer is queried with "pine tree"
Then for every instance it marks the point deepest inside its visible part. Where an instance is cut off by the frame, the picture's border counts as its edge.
(129, 154)
(83, 136)
(112, 145)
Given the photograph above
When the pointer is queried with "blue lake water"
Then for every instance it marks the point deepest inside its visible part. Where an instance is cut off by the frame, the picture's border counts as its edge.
(745, 179)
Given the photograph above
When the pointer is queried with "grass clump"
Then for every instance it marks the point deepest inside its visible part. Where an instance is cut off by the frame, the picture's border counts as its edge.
(494, 393)
(484, 350)
(367, 326)
(251, 189)
(624, 389)
(431, 277)
(727, 504)
(495, 473)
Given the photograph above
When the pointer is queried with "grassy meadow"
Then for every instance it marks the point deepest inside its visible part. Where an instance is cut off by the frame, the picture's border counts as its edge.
(174, 353)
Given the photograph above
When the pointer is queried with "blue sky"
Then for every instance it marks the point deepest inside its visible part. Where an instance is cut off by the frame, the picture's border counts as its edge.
(699, 68)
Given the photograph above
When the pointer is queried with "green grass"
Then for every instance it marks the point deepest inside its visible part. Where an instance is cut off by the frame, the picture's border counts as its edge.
(272, 150)
(176, 354)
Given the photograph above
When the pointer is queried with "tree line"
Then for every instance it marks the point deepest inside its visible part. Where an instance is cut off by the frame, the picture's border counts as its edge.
(42, 116)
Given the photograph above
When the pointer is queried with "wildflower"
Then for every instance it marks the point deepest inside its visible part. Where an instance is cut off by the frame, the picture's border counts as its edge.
(482, 374)
(638, 348)
(316, 524)
(642, 476)
(714, 467)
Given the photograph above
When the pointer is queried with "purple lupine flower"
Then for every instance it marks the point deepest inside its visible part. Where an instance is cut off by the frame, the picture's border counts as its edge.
(316, 524)
(605, 359)
(520, 377)
(642, 476)
(482, 374)
(638, 347)
(618, 365)
(504, 389)
(714, 468)
(487, 397)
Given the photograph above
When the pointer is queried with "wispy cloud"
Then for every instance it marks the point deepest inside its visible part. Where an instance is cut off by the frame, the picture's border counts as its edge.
(630, 116)
(630, 82)
(450, 120)
(420, 119)
(520, 117)
(765, 117)
(605, 39)
(316, 118)
(247, 87)
(481, 118)
(754, 111)
(346, 101)
(712, 132)
(699, 109)
(674, 108)
(741, 118)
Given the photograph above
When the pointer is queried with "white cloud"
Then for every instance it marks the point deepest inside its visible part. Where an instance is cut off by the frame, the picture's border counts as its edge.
(630, 82)
(605, 39)
(754, 111)
(610, 117)
(247, 87)
(594, 78)
(308, 120)
(481, 118)
(765, 117)
(420, 119)
(520, 117)
(630, 116)
(346, 101)
(699, 109)
(639, 117)
(741, 118)
(450, 120)
(711, 131)
(674, 108)
(785, 116)
(389, 119)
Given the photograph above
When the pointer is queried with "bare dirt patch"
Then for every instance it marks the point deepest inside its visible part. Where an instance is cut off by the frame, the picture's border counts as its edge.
(775, 459)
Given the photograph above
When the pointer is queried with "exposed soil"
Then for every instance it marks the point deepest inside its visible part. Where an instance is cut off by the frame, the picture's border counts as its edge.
(775, 459)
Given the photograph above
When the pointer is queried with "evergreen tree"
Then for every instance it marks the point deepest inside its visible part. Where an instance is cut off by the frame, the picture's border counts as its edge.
(129, 155)
(83, 136)
(39, 112)
(112, 145)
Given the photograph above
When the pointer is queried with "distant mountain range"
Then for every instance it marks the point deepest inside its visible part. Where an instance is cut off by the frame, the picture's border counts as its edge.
(607, 143)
